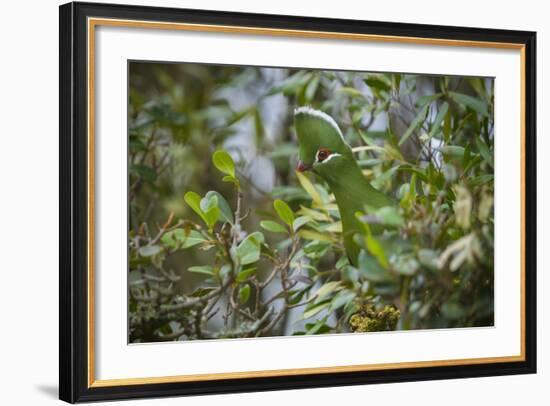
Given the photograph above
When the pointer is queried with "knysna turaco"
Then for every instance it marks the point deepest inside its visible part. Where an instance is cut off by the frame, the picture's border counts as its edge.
(323, 150)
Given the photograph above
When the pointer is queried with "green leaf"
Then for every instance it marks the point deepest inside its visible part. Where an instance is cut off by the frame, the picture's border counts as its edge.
(318, 328)
(200, 292)
(369, 136)
(257, 236)
(390, 216)
(283, 150)
(350, 273)
(453, 151)
(342, 298)
(182, 239)
(417, 122)
(484, 151)
(474, 103)
(314, 236)
(351, 91)
(258, 125)
(327, 289)
(244, 294)
(335, 227)
(376, 249)
(273, 226)
(193, 200)
(453, 310)
(312, 310)
(207, 207)
(311, 87)
(377, 83)
(439, 119)
(371, 268)
(296, 296)
(424, 100)
(300, 221)
(245, 274)
(146, 172)
(210, 209)
(343, 261)
(415, 171)
(316, 249)
(291, 84)
(225, 270)
(406, 265)
(212, 216)
(428, 258)
(149, 250)
(202, 269)
(314, 214)
(480, 180)
(310, 189)
(231, 179)
(412, 188)
(467, 156)
(476, 160)
(284, 212)
(136, 144)
(248, 250)
(208, 203)
(237, 116)
(447, 125)
(396, 81)
(226, 214)
(223, 161)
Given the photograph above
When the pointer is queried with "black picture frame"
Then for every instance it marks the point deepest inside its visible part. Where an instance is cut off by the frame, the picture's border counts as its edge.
(73, 284)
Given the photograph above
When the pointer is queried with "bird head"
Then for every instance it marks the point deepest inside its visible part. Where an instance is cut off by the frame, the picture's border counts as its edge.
(321, 143)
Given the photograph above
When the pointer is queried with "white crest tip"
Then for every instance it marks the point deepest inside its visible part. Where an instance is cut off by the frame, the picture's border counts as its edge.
(310, 111)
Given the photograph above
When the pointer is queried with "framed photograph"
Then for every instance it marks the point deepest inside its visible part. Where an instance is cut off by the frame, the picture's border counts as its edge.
(256, 202)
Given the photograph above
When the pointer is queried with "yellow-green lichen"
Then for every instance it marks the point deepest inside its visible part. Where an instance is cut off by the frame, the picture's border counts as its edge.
(369, 318)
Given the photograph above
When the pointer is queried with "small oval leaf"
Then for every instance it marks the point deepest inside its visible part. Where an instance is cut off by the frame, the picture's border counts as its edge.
(149, 250)
(224, 163)
(244, 294)
(273, 226)
(284, 212)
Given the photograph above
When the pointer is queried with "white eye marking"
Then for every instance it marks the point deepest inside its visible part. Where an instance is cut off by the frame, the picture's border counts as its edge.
(328, 158)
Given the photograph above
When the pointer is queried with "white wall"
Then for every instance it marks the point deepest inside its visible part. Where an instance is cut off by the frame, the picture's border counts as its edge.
(29, 188)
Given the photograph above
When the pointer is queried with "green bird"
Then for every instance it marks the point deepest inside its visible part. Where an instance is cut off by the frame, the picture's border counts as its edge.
(324, 151)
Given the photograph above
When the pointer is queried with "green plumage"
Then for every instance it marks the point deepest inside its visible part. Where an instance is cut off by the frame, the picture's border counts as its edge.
(353, 192)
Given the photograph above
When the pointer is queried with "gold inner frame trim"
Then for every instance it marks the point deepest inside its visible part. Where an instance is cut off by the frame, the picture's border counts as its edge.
(228, 29)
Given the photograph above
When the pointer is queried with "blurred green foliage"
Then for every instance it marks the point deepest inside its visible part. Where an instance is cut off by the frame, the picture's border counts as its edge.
(227, 240)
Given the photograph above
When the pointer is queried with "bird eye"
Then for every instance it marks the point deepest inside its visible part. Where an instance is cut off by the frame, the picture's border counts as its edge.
(322, 154)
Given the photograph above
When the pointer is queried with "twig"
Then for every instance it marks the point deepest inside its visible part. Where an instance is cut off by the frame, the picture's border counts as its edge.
(163, 229)
(171, 278)
(308, 301)
(173, 335)
(270, 277)
(273, 321)
(281, 266)
(253, 186)
(256, 326)
(208, 317)
(195, 301)
(237, 226)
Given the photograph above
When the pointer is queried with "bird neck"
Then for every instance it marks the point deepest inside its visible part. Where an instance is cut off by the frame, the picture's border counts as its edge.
(353, 192)
(351, 188)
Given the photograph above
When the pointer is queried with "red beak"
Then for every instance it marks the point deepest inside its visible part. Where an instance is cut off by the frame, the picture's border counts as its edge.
(301, 167)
